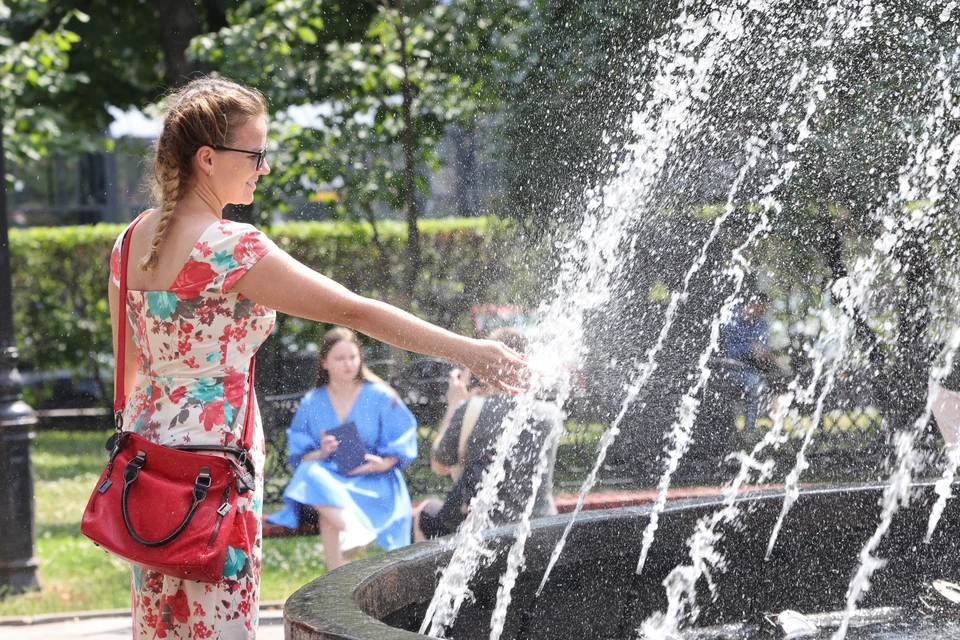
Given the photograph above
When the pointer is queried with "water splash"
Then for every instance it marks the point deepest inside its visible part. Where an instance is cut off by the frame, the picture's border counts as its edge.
(515, 556)
(923, 176)
(698, 47)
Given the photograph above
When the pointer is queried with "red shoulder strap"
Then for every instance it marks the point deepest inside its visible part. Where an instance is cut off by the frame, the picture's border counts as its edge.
(119, 398)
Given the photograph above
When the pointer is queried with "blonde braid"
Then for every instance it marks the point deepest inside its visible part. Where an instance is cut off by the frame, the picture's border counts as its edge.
(168, 182)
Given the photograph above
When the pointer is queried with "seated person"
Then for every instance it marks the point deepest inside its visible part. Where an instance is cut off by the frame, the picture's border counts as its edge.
(465, 445)
(370, 501)
(747, 336)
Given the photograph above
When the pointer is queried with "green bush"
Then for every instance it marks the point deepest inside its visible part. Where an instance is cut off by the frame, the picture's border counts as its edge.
(60, 276)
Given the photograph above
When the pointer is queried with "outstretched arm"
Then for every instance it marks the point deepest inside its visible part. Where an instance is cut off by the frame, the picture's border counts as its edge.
(280, 282)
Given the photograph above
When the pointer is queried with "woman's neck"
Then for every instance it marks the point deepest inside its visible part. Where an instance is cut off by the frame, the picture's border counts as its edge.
(200, 201)
(343, 388)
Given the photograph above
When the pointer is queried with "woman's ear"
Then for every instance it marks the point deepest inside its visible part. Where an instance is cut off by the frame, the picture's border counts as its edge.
(203, 161)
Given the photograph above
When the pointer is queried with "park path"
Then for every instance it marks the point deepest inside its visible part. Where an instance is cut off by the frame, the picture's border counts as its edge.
(115, 626)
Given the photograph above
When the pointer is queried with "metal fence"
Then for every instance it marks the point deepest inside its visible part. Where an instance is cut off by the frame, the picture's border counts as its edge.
(849, 441)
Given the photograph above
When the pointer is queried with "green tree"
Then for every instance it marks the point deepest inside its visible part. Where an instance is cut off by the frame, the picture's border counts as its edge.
(34, 65)
(383, 96)
(61, 69)
(572, 81)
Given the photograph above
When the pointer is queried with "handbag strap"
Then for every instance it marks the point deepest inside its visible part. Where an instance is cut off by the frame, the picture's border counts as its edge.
(119, 395)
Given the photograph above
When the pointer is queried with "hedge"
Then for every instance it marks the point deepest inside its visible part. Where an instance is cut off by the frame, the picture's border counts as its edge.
(60, 275)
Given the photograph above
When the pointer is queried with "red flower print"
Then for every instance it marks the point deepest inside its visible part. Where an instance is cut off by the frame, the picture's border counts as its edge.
(234, 387)
(249, 248)
(212, 415)
(186, 327)
(204, 249)
(184, 346)
(115, 263)
(200, 631)
(153, 581)
(192, 279)
(244, 531)
(159, 627)
(191, 362)
(198, 610)
(178, 605)
(177, 394)
(244, 607)
(224, 340)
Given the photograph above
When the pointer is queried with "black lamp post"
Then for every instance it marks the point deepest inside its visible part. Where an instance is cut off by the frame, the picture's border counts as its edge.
(18, 566)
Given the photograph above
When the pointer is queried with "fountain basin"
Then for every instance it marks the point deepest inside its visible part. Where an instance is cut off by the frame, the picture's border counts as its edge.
(594, 591)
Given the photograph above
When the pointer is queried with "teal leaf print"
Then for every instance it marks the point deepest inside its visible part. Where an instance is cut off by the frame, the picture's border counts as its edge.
(236, 558)
(138, 583)
(207, 390)
(161, 304)
(213, 356)
(223, 260)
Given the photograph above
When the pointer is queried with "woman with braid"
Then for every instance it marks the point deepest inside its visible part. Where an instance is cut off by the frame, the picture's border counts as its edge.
(202, 296)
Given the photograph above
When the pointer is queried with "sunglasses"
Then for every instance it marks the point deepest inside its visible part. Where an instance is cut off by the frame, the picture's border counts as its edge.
(260, 154)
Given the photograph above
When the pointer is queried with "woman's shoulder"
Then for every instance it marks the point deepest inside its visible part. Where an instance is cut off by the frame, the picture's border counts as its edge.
(232, 227)
(118, 245)
(380, 391)
(314, 395)
(232, 248)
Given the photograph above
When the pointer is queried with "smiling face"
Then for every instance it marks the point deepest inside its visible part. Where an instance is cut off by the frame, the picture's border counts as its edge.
(234, 173)
(343, 363)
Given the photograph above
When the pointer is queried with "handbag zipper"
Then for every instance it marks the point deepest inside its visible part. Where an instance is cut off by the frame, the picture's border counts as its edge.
(224, 509)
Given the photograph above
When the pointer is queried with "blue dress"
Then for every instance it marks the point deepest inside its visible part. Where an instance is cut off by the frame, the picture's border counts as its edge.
(380, 501)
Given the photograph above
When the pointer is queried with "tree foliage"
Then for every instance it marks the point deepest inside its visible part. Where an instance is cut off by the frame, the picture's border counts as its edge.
(381, 97)
(34, 71)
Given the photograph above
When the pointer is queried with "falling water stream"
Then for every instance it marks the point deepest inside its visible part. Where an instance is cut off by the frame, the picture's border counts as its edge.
(697, 58)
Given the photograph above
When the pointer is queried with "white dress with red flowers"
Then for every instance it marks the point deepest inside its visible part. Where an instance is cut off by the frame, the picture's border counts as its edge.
(194, 346)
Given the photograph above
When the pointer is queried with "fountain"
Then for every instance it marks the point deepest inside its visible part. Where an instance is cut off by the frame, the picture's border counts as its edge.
(595, 592)
(752, 104)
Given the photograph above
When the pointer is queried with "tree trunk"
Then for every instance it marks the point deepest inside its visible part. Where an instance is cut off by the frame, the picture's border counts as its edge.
(411, 207)
(907, 382)
(180, 21)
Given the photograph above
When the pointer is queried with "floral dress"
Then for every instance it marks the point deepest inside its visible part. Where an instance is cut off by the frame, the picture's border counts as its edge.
(194, 344)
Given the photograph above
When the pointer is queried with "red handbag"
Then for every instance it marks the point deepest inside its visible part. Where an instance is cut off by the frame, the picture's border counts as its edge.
(167, 509)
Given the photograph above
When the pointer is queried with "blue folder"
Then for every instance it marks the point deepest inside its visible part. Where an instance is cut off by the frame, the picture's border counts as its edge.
(350, 450)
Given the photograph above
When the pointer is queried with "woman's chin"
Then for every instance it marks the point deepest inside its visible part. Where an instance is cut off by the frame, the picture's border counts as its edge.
(242, 200)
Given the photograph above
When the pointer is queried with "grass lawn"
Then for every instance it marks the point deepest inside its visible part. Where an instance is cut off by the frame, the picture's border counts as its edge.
(75, 575)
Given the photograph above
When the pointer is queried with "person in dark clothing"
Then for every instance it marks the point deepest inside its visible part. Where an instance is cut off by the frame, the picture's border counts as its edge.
(465, 445)
(747, 336)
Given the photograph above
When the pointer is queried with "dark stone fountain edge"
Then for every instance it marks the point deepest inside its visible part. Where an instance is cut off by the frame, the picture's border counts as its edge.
(835, 521)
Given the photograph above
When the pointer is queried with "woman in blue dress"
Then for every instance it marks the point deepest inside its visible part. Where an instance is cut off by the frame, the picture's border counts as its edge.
(372, 499)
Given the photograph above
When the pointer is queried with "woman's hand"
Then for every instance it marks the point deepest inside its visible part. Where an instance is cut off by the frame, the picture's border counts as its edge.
(499, 366)
(375, 464)
(328, 444)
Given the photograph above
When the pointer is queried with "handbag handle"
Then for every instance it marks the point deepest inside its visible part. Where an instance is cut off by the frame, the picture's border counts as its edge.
(119, 397)
(200, 486)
